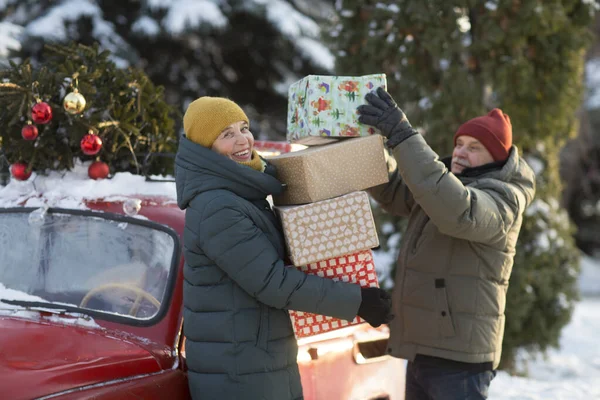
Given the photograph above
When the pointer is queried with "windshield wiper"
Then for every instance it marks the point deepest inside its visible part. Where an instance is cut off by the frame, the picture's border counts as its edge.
(42, 306)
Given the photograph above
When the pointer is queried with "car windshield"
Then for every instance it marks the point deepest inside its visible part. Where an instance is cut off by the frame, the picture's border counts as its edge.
(119, 267)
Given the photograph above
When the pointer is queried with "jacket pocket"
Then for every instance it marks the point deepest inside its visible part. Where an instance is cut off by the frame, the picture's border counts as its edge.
(262, 336)
(441, 304)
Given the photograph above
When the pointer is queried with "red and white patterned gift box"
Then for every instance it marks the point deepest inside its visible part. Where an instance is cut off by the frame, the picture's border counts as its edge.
(355, 268)
(270, 147)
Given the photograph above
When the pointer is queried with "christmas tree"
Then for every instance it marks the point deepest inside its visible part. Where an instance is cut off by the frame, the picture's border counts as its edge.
(78, 105)
(246, 50)
(580, 160)
(449, 61)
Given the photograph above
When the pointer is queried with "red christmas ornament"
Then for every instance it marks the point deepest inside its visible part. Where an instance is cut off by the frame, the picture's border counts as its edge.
(29, 132)
(19, 171)
(98, 170)
(41, 113)
(91, 144)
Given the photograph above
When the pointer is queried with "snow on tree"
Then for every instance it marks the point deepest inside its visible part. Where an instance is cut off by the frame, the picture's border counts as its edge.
(449, 61)
(247, 50)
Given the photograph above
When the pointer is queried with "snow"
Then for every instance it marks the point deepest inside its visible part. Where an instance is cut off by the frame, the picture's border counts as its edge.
(538, 206)
(491, 5)
(592, 3)
(536, 164)
(9, 34)
(425, 103)
(592, 76)
(159, 4)
(589, 278)
(146, 26)
(464, 24)
(571, 372)
(394, 8)
(65, 318)
(289, 21)
(317, 52)
(301, 30)
(4, 3)
(52, 24)
(11, 294)
(70, 189)
(184, 14)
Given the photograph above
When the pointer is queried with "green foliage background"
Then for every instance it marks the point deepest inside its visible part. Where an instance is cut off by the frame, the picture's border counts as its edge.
(449, 61)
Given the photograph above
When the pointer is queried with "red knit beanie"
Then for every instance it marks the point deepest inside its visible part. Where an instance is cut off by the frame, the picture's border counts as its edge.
(494, 131)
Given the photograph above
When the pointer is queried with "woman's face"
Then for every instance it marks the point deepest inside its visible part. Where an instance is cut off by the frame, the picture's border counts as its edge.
(235, 142)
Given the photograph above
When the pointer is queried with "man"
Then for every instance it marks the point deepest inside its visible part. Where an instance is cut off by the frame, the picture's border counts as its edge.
(456, 257)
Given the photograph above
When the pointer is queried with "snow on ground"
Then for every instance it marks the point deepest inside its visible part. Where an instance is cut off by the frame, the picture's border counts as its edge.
(589, 279)
(570, 373)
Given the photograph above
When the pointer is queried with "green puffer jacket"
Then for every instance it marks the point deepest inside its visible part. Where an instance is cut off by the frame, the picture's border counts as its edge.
(239, 338)
(457, 253)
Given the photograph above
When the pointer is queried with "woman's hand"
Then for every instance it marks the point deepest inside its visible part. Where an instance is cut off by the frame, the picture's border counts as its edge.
(376, 306)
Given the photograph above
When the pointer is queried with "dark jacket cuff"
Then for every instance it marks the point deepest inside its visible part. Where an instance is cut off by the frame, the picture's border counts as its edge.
(399, 137)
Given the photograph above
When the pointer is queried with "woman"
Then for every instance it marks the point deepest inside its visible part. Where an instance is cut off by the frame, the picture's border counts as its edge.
(239, 338)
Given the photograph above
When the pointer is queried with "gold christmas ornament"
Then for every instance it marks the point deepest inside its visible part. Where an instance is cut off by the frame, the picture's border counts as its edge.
(74, 102)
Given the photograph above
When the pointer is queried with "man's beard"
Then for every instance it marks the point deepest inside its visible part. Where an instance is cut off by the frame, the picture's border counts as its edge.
(462, 162)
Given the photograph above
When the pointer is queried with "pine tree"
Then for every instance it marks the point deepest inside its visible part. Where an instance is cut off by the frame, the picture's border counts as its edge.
(580, 160)
(247, 50)
(123, 109)
(449, 61)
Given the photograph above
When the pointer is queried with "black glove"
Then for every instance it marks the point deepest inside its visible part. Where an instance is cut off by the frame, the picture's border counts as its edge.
(383, 113)
(376, 306)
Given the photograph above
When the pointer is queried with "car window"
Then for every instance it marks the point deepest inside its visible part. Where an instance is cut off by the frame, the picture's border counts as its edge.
(88, 261)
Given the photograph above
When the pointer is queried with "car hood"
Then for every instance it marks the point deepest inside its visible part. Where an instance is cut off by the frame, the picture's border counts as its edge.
(40, 358)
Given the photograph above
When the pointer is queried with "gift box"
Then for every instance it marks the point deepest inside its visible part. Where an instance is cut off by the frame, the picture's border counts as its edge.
(323, 108)
(328, 228)
(270, 147)
(323, 172)
(355, 268)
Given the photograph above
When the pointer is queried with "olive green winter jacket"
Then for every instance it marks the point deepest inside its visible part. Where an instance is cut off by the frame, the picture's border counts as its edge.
(457, 253)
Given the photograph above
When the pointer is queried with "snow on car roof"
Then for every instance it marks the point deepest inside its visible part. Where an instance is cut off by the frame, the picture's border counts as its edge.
(71, 189)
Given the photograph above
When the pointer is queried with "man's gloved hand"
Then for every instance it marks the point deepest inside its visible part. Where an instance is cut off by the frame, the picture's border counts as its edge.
(376, 306)
(383, 113)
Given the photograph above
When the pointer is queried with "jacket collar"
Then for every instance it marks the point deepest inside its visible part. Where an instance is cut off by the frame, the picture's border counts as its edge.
(476, 171)
(514, 170)
(198, 169)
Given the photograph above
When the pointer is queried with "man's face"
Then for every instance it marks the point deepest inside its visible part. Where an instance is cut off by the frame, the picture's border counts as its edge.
(469, 153)
(235, 142)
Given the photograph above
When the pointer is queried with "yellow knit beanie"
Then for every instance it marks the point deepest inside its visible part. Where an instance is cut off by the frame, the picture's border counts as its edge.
(206, 117)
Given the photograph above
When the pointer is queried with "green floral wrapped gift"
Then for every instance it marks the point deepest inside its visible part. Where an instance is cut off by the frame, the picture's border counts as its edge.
(322, 108)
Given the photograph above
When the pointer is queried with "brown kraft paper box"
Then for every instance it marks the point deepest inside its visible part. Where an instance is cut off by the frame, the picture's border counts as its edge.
(328, 228)
(330, 170)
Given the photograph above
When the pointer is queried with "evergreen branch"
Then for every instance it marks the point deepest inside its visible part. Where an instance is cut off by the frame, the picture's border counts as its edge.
(107, 123)
(12, 86)
(130, 147)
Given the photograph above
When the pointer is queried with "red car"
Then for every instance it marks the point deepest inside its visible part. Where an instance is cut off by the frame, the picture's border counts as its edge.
(91, 308)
